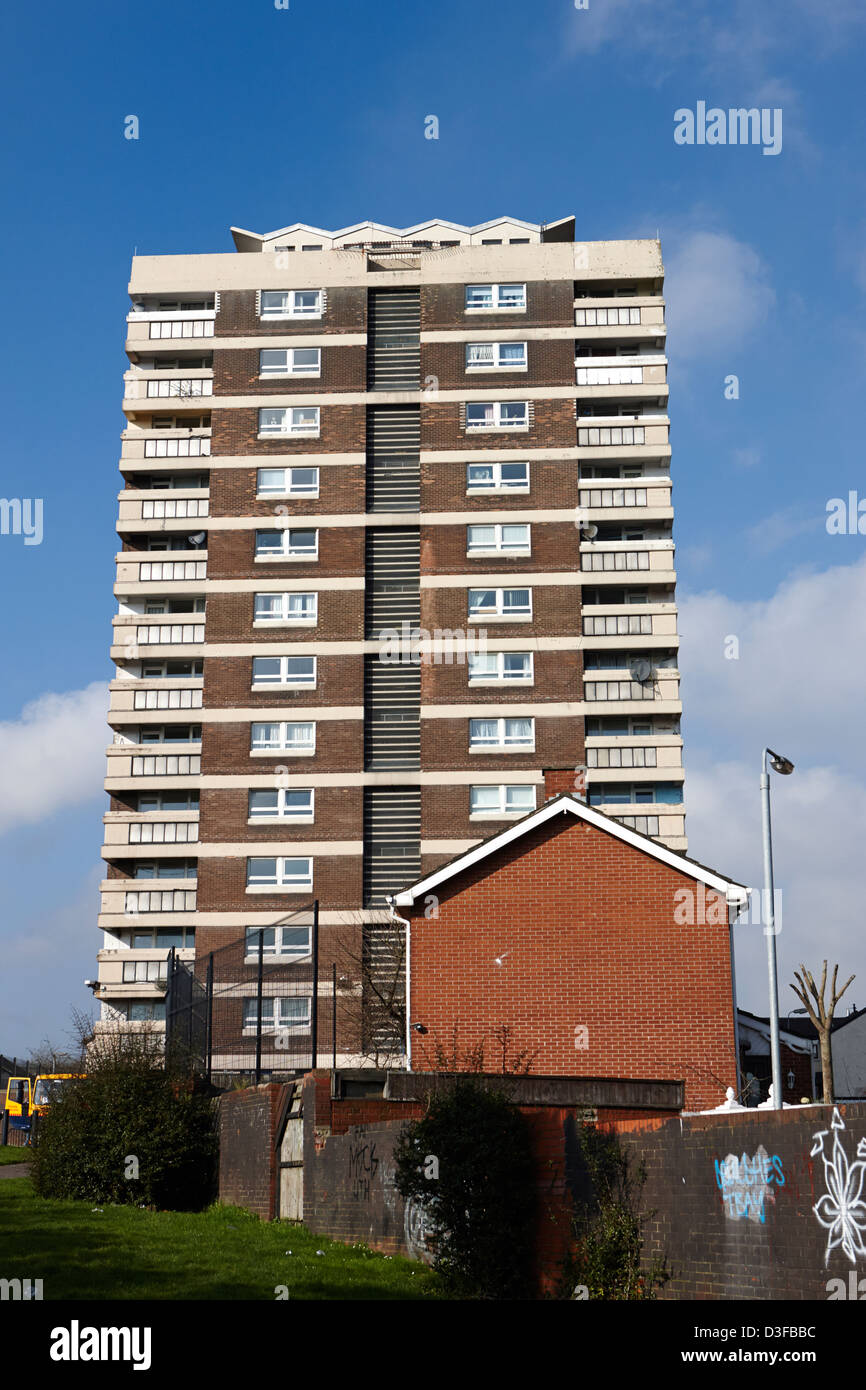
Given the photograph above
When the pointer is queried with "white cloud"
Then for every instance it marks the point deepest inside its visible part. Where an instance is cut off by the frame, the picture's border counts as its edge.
(777, 529)
(798, 685)
(801, 671)
(53, 756)
(717, 294)
(818, 818)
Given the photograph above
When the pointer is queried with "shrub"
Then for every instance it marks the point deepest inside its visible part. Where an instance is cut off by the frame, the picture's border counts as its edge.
(128, 1107)
(608, 1227)
(480, 1208)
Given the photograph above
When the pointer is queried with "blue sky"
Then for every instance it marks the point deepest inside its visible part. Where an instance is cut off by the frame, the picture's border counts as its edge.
(259, 117)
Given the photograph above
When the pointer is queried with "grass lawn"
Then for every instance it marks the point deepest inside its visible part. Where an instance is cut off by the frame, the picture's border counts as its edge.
(223, 1253)
(10, 1155)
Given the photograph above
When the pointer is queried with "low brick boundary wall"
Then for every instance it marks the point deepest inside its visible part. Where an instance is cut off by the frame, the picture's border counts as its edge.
(735, 1197)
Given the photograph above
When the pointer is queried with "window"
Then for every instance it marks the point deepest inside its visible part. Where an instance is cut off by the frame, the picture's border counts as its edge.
(291, 304)
(495, 356)
(282, 803)
(497, 415)
(501, 603)
(620, 625)
(492, 297)
(624, 794)
(134, 970)
(284, 671)
(283, 738)
(648, 825)
(140, 1010)
(278, 1014)
(165, 868)
(295, 875)
(290, 361)
(501, 801)
(164, 937)
(486, 667)
(620, 757)
(511, 538)
(287, 482)
(170, 733)
(618, 690)
(287, 544)
(493, 477)
(609, 376)
(613, 497)
(614, 434)
(614, 560)
(286, 608)
(604, 318)
(502, 733)
(296, 420)
(167, 801)
(287, 943)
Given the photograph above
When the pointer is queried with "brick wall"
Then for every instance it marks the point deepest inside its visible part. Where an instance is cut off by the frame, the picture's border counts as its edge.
(247, 1174)
(588, 926)
(759, 1236)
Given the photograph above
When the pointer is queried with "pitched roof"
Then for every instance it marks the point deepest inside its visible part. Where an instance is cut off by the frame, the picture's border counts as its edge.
(565, 804)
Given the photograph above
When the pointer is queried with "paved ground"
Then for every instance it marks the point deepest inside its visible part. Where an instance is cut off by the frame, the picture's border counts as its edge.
(14, 1170)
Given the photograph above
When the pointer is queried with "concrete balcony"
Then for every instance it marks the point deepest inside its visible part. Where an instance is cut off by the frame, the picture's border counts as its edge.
(141, 444)
(172, 831)
(176, 571)
(161, 510)
(146, 700)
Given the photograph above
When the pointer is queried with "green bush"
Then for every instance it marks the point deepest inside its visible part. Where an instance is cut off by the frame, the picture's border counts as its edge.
(127, 1107)
(608, 1227)
(480, 1208)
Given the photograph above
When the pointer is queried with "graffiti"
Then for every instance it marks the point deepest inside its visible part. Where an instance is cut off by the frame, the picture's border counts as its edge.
(746, 1183)
(363, 1164)
(417, 1230)
(842, 1209)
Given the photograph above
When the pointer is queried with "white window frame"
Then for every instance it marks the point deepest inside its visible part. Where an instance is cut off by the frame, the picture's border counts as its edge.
(288, 487)
(496, 306)
(272, 1005)
(503, 744)
(497, 484)
(285, 682)
(502, 811)
(281, 814)
(499, 611)
(286, 552)
(289, 367)
(498, 677)
(279, 884)
(292, 424)
(285, 619)
(497, 423)
(297, 750)
(496, 363)
(275, 953)
(291, 308)
(498, 547)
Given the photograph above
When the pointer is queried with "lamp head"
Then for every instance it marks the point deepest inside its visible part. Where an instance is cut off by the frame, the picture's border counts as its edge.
(780, 764)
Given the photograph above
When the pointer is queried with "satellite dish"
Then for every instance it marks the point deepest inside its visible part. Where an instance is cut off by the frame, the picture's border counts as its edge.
(589, 530)
(198, 538)
(640, 671)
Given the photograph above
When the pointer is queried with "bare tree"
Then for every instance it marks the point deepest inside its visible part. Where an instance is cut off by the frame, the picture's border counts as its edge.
(371, 985)
(821, 1014)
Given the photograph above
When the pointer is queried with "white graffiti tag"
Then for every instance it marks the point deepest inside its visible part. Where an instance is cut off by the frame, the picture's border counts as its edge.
(842, 1209)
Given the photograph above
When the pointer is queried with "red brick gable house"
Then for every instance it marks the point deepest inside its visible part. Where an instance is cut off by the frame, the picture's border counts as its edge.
(578, 946)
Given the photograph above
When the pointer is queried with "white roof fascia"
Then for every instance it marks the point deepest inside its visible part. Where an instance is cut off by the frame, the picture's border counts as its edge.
(735, 893)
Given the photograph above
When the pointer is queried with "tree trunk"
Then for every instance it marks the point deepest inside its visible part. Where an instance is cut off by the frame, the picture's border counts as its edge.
(827, 1066)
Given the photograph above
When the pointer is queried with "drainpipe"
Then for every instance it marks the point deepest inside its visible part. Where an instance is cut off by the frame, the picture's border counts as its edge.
(389, 898)
(734, 910)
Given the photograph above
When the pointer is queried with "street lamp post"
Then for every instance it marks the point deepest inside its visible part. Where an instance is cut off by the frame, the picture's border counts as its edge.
(785, 767)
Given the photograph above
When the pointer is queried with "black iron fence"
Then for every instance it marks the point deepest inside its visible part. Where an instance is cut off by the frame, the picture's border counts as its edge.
(249, 1010)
